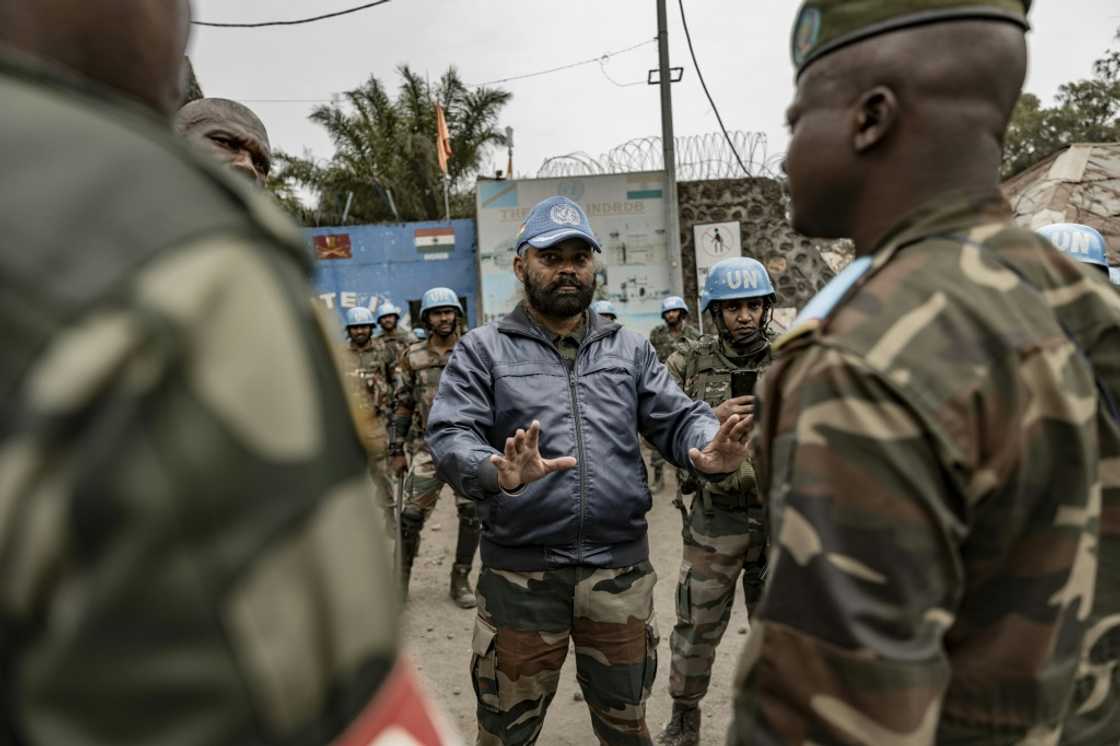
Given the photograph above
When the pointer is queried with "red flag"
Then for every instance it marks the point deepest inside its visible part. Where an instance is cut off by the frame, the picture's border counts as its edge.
(443, 140)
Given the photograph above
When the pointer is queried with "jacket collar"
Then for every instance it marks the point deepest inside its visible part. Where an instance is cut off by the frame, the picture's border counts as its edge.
(519, 322)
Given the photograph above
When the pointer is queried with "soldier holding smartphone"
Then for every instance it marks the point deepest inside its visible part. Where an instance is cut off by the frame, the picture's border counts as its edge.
(724, 529)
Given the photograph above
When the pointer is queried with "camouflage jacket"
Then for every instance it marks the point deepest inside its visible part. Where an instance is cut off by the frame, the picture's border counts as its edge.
(928, 442)
(394, 346)
(183, 497)
(665, 342)
(702, 368)
(418, 376)
(367, 372)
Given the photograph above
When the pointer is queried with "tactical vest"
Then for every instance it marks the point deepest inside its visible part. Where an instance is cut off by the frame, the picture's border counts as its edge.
(427, 367)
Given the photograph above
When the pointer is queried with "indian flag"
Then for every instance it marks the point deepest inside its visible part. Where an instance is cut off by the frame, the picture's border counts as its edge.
(435, 239)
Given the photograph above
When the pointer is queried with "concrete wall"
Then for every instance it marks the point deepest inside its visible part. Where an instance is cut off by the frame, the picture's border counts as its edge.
(798, 266)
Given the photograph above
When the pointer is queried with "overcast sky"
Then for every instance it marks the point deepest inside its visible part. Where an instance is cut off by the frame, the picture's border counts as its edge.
(743, 50)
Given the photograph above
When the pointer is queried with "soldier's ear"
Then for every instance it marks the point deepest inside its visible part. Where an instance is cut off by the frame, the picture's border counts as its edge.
(519, 267)
(873, 118)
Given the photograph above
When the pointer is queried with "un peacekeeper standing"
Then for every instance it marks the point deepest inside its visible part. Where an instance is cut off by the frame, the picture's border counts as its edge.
(418, 378)
(665, 337)
(230, 132)
(934, 431)
(725, 529)
(182, 501)
(538, 419)
(395, 338)
(367, 377)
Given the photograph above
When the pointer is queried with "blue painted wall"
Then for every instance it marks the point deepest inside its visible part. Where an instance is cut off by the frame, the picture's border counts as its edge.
(385, 264)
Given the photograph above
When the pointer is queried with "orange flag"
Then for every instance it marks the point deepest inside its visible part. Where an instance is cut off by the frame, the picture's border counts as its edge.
(443, 140)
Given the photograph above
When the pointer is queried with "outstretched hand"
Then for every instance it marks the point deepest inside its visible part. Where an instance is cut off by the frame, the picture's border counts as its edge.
(522, 464)
(727, 450)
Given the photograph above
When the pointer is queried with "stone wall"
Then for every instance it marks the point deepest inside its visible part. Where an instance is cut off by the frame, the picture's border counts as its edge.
(798, 266)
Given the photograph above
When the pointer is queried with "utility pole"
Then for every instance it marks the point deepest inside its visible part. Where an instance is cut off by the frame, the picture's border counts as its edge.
(672, 210)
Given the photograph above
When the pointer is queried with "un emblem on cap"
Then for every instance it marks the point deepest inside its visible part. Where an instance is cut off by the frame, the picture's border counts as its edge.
(565, 215)
(806, 33)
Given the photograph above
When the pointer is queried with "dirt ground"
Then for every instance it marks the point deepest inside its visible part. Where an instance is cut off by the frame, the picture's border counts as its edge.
(438, 636)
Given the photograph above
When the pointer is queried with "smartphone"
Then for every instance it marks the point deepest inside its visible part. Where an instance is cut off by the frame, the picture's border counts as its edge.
(742, 383)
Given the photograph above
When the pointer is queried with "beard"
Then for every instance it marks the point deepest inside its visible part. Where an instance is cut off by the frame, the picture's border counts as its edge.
(547, 300)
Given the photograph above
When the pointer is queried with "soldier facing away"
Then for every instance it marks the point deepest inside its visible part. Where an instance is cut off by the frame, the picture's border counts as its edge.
(418, 378)
(538, 420)
(938, 431)
(665, 337)
(188, 554)
(724, 529)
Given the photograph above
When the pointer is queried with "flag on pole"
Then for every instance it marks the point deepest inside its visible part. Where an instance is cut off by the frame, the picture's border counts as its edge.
(443, 140)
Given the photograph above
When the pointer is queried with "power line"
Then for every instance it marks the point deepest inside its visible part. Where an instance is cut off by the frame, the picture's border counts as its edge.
(607, 75)
(569, 66)
(700, 75)
(298, 22)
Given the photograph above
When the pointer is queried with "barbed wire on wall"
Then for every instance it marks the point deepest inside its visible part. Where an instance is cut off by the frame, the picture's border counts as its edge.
(699, 158)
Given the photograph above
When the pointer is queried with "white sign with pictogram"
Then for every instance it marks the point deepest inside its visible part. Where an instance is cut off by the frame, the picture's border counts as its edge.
(714, 242)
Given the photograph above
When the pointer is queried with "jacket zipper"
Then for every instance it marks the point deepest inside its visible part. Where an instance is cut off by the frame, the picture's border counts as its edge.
(577, 414)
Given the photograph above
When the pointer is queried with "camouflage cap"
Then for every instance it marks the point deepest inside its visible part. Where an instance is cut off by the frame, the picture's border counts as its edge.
(823, 26)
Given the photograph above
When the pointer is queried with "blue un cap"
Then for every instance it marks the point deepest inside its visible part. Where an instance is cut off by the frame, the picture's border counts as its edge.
(552, 221)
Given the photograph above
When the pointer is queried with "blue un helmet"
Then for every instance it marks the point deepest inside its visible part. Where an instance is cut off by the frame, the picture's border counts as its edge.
(737, 278)
(360, 316)
(604, 308)
(420, 333)
(387, 309)
(438, 298)
(673, 303)
(554, 220)
(1080, 242)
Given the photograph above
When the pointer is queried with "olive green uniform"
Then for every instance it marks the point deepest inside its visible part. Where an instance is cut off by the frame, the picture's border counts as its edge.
(724, 531)
(188, 552)
(369, 386)
(937, 438)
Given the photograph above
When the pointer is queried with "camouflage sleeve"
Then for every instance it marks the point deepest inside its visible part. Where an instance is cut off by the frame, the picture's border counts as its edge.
(676, 367)
(864, 571)
(404, 396)
(182, 516)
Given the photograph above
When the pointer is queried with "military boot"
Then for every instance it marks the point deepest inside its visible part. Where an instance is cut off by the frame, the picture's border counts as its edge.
(683, 728)
(658, 478)
(410, 547)
(461, 592)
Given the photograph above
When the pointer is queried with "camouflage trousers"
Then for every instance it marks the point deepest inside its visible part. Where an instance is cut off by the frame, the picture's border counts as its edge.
(521, 634)
(422, 488)
(720, 543)
(384, 491)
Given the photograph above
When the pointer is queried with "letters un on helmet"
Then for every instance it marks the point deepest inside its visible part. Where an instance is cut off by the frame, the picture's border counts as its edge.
(439, 298)
(602, 307)
(359, 317)
(673, 303)
(736, 278)
(1080, 242)
(554, 220)
(387, 309)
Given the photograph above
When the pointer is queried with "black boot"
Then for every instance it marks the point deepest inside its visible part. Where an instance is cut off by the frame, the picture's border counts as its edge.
(461, 592)
(411, 524)
(658, 478)
(469, 534)
(683, 728)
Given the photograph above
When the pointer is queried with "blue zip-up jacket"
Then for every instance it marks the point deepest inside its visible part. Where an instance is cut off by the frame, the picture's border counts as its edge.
(503, 376)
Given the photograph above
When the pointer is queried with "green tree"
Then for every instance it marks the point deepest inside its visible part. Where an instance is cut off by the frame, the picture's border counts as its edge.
(1085, 111)
(385, 152)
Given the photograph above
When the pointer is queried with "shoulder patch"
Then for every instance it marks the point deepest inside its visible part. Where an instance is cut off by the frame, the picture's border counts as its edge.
(823, 303)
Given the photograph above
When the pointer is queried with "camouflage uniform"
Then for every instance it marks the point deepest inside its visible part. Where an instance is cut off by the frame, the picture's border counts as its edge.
(664, 343)
(724, 533)
(521, 634)
(368, 385)
(418, 374)
(188, 553)
(928, 441)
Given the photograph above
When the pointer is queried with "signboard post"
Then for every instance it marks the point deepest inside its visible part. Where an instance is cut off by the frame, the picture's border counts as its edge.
(714, 242)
